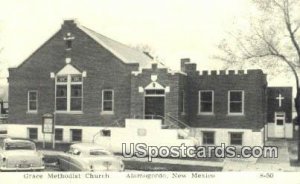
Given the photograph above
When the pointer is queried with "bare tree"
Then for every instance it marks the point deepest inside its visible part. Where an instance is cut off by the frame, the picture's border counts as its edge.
(271, 39)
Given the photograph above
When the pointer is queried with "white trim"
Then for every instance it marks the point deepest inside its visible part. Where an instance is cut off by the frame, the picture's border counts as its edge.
(228, 103)
(36, 101)
(279, 130)
(103, 112)
(156, 86)
(68, 69)
(212, 101)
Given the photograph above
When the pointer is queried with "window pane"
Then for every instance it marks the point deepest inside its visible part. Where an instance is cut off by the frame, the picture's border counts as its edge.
(236, 138)
(160, 92)
(206, 107)
(32, 105)
(76, 104)
(76, 91)
(206, 96)
(61, 104)
(61, 91)
(59, 134)
(279, 122)
(69, 44)
(235, 96)
(155, 92)
(62, 79)
(208, 138)
(106, 133)
(33, 133)
(236, 135)
(236, 107)
(107, 106)
(76, 78)
(76, 134)
(107, 95)
(32, 95)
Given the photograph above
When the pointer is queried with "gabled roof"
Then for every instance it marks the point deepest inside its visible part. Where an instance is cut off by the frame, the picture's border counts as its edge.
(122, 51)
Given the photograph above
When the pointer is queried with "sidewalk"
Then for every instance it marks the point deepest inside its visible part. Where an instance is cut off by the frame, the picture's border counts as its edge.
(282, 163)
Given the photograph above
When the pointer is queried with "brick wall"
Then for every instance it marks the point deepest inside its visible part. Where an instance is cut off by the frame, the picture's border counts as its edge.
(104, 71)
(254, 85)
(175, 81)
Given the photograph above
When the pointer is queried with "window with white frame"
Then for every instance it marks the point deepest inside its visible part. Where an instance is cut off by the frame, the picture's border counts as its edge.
(236, 138)
(236, 102)
(206, 102)
(32, 101)
(69, 93)
(107, 100)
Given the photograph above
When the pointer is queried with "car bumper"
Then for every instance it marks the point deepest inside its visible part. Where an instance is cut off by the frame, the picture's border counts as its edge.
(22, 169)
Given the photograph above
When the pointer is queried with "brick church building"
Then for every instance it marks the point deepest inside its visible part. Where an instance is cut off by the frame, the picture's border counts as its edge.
(91, 82)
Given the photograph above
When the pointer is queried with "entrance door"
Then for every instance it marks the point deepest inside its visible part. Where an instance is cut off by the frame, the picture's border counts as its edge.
(154, 107)
(279, 124)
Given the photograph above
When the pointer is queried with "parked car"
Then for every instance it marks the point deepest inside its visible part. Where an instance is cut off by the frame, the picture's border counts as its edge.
(89, 157)
(20, 155)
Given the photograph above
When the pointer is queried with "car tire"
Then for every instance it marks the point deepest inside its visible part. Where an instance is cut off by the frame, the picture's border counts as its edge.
(59, 165)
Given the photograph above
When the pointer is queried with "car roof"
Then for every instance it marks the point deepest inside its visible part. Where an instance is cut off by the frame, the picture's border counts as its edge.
(88, 146)
(17, 140)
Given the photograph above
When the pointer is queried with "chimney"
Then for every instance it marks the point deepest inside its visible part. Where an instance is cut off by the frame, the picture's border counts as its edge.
(183, 61)
(154, 66)
(68, 24)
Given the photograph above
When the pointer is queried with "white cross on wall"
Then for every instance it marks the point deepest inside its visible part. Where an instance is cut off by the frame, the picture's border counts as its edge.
(280, 98)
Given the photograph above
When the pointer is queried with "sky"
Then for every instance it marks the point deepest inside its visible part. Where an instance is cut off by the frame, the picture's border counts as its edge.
(174, 29)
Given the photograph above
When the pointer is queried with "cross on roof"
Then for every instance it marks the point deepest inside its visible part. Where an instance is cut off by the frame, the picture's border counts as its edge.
(280, 98)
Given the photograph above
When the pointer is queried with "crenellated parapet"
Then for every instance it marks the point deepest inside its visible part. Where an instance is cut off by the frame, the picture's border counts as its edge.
(188, 67)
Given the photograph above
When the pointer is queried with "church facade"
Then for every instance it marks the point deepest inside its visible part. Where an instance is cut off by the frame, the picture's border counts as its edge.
(90, 82)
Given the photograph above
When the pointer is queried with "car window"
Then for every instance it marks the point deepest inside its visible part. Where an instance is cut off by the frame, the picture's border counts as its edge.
(99, 153)
(19, 146)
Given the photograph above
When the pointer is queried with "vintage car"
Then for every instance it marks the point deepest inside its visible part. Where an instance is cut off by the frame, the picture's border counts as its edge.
(89, 157)
(20, 155)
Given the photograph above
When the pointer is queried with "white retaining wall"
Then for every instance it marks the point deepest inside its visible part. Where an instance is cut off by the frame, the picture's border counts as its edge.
(141, 131)
(288, 130)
